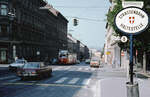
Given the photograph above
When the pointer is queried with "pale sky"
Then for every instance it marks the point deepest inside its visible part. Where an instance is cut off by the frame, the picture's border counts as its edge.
(91, 15)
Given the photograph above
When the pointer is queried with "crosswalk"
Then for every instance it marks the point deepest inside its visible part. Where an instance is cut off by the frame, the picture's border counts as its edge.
(10, 78)
(73, 81)
(75, 69)
(61, 80)
(7, 77)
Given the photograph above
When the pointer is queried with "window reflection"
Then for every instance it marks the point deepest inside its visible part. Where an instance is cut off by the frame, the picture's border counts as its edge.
(3, 9)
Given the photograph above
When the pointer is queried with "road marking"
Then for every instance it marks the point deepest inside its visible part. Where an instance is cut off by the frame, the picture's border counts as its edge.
(57, 68)
(86, 81)
(80, 68)
(14, 80)
(67, 68)
(61, 80)
(8, 77)
(45, 85)
(41, 87)
(88, 69)
(93, 69)
(73, 81)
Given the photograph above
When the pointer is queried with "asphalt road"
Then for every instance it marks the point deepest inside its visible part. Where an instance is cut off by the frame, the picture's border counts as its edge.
(66, 81)
(78, 80)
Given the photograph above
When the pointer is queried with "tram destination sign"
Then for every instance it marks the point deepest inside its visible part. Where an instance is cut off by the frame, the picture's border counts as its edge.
(131, 20)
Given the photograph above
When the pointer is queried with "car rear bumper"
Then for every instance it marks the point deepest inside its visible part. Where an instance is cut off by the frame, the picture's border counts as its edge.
(94, 65)
(11, 68)
(27, 75)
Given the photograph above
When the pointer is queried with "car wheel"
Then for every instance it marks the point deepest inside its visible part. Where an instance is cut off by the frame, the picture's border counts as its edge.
(39, 77)
(50, 73)
(22, 78)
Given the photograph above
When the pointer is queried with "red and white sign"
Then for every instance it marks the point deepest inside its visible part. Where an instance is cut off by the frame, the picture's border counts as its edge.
(131, 20)
(122, 54)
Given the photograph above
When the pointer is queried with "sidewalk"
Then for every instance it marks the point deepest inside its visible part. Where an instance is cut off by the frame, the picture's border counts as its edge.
(4, 65)
(4, 69)
(116, 87)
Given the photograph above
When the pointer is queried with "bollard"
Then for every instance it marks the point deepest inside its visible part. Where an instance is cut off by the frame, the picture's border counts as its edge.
(132, 89)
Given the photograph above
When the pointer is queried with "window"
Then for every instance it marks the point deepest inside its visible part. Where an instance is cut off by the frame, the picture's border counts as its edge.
(3, 9)
(4, 29)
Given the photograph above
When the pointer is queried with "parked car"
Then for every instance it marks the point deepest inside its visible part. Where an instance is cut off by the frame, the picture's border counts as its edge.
(54, 61)
(17, 64)
(95, 63)
(78, 62)
(87, 61)
(34, 69)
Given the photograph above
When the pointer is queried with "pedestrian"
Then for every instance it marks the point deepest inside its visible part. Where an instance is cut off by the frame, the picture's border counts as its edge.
(16, 58)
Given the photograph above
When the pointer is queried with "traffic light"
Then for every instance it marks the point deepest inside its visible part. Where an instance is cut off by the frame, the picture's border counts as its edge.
(75, 22)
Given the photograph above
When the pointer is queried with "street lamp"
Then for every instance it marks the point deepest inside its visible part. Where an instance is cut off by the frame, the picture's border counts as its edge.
(11, 18)
(38, 55)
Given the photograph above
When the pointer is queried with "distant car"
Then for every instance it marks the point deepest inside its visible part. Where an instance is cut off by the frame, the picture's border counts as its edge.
(54, 61)
(17, 64)
(95, 63)
(87, 61)
(78, 61)
(34, 69)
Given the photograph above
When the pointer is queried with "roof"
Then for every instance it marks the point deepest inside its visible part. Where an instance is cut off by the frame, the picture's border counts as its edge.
(51, 9)
(72, 38)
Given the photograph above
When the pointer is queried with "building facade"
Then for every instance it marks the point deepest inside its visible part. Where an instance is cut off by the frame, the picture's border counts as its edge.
(75, 46)
(113, 54)
(32, 33)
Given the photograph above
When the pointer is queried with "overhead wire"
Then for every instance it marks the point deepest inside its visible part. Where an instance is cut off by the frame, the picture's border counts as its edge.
(96, 7)
(88, 19)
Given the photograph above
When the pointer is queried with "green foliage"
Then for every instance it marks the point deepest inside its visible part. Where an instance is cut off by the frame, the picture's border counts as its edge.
(111, 14)
(110, 18)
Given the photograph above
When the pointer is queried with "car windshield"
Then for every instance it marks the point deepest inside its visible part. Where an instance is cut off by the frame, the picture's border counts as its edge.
(31, 65)
(94, 60)
(19, 61)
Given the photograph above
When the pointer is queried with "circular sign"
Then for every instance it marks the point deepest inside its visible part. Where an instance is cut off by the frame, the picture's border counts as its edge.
(124, 39)
(131, 20)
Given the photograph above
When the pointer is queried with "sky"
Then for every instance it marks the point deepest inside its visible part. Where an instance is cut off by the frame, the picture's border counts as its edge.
(91, 15)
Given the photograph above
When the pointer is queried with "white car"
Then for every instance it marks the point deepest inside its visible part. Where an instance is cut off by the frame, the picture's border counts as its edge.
(78, 61)
(87, 61)
(94, 63)
(17, 64)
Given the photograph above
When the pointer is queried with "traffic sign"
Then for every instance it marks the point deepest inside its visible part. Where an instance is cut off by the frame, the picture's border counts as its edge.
(131, 20)
(124, 39)
(139, 4)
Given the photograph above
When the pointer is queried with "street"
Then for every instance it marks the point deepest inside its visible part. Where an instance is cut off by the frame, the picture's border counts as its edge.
(78, 80)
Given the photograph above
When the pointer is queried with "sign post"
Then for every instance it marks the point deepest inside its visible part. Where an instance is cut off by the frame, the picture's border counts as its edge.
(131, 59)
(131, 21)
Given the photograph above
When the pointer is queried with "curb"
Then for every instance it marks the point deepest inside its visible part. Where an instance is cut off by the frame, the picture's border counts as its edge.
(145, 74)
(142, 75)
